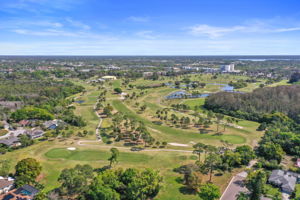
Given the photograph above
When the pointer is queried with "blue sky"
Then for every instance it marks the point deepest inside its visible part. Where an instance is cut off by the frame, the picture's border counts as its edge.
(149, 27)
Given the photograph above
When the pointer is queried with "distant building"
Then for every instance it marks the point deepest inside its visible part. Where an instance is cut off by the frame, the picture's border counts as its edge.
(285, 180)
(109, 77)
(176, 69)
(227, 68)
(148, 74)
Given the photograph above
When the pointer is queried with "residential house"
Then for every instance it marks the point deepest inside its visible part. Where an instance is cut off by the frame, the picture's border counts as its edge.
(35, 133)
(24, 122)
(26, 192)
(11, 141)
(52, 124)
(6, 184)
(285, 180)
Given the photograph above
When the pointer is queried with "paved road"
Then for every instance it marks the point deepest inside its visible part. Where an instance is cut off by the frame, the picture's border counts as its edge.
(98, 136)
(235, 187)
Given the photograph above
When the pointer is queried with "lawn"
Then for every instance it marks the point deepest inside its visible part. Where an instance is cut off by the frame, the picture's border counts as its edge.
(194, 102)
(178, 135)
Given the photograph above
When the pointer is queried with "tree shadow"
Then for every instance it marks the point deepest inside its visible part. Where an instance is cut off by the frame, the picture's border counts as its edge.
(179, 180)
(102, 169)
(185, 190)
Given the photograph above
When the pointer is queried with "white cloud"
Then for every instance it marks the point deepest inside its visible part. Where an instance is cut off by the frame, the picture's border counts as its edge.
(78, 24)
(63, 34)
(218, 31)
(138, 19)
(146, 34)
(48, 32)
(213, 31)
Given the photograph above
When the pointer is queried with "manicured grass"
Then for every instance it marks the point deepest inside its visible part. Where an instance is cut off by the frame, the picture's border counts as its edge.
(94, 155)
(172, 134)
(194, 102)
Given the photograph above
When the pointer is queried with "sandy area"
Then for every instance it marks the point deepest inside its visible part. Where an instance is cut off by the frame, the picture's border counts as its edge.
(178, 145)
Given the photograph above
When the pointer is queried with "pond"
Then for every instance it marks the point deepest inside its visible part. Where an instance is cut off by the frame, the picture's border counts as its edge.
(182, 94)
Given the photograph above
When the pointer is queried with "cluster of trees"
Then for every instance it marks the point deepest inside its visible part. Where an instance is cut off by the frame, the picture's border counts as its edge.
(238, 84)
(125, 127)
(70, 118)
(33, 90)
(253, 106)
(295, 77)
(210, 160)
(83, 182)
(180, 107)
(129, 184)
(27, 170)
(31, 113)
(275, 143)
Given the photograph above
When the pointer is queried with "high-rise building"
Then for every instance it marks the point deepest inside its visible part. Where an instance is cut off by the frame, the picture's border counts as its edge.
(227, 68)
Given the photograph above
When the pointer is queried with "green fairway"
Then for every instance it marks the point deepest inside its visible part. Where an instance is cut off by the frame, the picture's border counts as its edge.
(94, 155)
(172, 134)
(194, 102)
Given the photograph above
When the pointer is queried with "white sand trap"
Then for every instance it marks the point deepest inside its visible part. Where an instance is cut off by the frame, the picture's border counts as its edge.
(71, 148)
(178, 145)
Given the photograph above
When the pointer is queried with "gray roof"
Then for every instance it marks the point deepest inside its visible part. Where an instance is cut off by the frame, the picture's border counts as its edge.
(30, 189)
(35, 132)
(284, 179)
(9, 141)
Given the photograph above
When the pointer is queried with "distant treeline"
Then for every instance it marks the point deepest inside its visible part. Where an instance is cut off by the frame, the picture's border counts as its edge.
(254, 106)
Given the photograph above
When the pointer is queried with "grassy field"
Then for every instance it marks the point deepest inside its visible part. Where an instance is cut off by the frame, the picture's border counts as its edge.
(54, 155)
(178, 135)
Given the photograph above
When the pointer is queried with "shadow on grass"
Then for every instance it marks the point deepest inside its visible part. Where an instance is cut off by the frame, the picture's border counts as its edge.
(185, 190)
(102, 169)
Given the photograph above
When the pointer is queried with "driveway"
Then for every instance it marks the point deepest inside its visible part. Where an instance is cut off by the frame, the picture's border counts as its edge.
(235, 187)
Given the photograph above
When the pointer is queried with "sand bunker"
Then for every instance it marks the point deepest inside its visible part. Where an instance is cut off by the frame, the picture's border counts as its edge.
(71, 148)
(178, 145)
